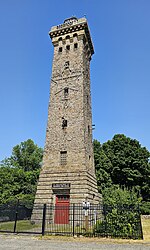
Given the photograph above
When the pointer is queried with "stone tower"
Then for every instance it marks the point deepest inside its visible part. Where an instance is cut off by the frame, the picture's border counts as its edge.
(68, 163)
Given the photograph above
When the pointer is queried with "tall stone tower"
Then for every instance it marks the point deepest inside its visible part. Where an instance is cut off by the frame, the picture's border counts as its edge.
(68, 171)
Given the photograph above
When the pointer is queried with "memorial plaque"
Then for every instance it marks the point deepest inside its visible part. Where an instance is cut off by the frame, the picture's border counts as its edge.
(60, 185)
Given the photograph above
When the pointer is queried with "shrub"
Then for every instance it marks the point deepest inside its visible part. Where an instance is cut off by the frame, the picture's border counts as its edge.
(123, 222)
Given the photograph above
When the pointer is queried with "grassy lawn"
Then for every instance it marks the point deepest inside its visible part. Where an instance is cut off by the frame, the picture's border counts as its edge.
(7, 226)
(23, 225)
(146, 228)
(66, 228)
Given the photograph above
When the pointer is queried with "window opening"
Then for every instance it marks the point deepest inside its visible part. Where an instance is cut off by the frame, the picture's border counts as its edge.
(63, 157)
(75, 45)
(60, 39)
(60, 49)
(66, 92)
(64, 123)
(88, 129)
(87, 99)
(68, 47)
(67, 37)
(66, 65)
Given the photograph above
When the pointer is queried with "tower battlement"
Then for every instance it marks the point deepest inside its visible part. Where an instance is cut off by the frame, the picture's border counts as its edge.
(72, 26)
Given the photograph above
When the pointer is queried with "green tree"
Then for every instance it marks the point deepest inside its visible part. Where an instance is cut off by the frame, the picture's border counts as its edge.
(19, 173)
(130, 163)
(126, 163)
(103, 167)
(116, 196)
(26, 156)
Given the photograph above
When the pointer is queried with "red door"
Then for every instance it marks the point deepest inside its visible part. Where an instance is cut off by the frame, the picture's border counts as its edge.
(62, 209)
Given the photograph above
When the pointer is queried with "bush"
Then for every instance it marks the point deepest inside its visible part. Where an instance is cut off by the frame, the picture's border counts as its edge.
(123, 222)
(121, 217)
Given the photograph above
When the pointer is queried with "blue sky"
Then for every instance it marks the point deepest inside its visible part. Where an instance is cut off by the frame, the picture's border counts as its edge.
(120, 67)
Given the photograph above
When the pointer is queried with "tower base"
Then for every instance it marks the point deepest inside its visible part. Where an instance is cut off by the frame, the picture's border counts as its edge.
(64, 188)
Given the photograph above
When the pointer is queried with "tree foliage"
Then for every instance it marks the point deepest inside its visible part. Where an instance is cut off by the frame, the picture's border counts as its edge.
(125, 162)
(121, 213)
(26, 156)
(116, 196)
(19, 173)
(103, 167)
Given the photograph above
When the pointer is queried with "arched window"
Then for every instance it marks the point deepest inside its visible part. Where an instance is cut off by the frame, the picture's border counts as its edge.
(66, 92)
(60, 39)
(75, 35)
(64, 123)
(66, 65)
(60, 49)
(67, 37)
(75, 46)
(68, 47)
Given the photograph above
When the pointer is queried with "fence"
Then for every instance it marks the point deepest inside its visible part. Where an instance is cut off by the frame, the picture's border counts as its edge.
(95, 221)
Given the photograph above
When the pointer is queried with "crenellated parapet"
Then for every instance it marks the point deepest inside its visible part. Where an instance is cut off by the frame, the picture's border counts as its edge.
(72, 30)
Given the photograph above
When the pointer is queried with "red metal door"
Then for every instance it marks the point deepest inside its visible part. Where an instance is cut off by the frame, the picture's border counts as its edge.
(62, 209)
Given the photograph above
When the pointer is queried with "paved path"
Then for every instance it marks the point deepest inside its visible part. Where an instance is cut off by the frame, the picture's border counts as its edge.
(35, 243)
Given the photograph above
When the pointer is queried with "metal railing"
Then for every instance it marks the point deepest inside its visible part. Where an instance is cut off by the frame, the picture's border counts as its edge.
(74, 219)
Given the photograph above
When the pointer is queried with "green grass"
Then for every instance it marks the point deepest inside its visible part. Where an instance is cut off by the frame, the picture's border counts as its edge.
(23, 225)
(26, 225)
(66, 228)
(7, 226)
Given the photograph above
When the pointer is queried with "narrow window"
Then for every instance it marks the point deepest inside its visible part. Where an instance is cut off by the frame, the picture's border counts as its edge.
(67, 37)
(60, 49)
(87, 99)
(63, 158)
(75, 35)
(75, 46)
(88, 130)
(64, 123)
(60, 39)
(66, 65)
(66, 92)
(68, 47)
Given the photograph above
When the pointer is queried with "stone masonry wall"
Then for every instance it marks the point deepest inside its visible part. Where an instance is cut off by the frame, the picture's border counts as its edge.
(71, 70)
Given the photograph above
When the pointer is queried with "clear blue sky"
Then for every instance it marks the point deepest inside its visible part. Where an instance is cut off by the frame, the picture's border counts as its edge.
(120, 67)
